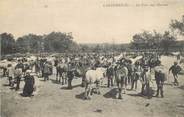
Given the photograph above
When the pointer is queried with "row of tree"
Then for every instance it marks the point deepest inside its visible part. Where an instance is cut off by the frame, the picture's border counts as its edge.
(53, 42)
(157, 41)
(63, 42)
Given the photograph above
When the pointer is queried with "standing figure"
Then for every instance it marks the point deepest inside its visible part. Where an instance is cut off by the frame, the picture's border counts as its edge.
(46, 71)
(10, 71)
(70, 74)
(29, 84)
(110, 74)
(62, 69)
(130, 72)
(25, 67)
(136, 75)
(145, 80)
(178, 57)
(175, 70)
(42, 62)
(18, 73)
(37, 66)
(160, 77)
(56, 63)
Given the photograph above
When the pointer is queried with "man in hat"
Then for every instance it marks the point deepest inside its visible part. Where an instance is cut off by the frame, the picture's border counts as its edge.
(29, 84)
(145, 80)
(110, 73)
(175, 70)
(18, 74)
(160, 77)
(130, 71)
(137, 70)
(70, 73)
(46, 71)
(10, 71)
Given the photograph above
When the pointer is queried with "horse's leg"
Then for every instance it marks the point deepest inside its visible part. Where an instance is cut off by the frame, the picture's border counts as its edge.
(98, 87)
(114, 80)
(62, 78)
(108, 81)
(117, 89)
(149, 91)
(86, 91)
(65, 77)
(135, 84)
(89, 91)
(119, 85)
(60, 75)
(120, 90)
(82, 83)
(111, 80)
(125, 84)
(57, 73)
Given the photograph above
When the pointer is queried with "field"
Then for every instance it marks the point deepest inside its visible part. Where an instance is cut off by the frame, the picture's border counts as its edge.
(54, 100)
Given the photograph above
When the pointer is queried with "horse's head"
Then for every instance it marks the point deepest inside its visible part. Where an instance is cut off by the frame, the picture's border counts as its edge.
(102, 71)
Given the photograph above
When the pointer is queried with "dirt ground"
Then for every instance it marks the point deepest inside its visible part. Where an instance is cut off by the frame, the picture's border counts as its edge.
(54, 100)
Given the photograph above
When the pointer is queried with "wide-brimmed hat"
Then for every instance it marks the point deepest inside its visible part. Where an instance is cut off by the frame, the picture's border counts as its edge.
(175, 63)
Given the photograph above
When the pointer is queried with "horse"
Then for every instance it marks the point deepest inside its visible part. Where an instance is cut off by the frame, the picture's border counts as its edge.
(92, 77)
(121, 74)
(103, 70)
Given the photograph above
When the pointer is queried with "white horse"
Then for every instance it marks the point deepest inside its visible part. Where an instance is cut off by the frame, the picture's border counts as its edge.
(93, 77)
(104, 72)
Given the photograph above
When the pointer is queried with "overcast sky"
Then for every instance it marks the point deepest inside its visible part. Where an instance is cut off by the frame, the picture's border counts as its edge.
(88, 20)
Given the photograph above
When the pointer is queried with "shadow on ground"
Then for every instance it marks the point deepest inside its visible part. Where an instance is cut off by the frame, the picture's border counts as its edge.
(6, 85)
(55, 82)
(169, 84)
(80, 96)
(181, 87)
(141, 95)
(111, 94)
(42, 80)
(74, 86)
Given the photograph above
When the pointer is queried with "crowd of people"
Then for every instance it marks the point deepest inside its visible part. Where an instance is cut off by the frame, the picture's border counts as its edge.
(69, 66)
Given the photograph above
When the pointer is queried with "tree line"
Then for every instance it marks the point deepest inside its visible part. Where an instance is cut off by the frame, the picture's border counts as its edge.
(31, 43)
(166, 41)
(62, 42)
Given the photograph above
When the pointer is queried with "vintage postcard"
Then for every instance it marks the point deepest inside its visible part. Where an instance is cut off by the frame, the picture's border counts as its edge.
(92, 58)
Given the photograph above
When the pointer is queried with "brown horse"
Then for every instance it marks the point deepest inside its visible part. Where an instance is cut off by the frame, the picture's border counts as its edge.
(121, 74)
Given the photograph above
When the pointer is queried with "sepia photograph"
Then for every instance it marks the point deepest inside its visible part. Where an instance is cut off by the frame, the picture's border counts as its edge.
(91, 58)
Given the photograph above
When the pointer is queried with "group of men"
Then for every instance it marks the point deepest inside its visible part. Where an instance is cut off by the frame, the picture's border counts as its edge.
(67, 67)
(144, 70)
(15, 74)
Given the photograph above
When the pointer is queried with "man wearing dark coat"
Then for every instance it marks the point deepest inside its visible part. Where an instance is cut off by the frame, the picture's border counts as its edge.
(175, 70)
(46, 71)
(110, 73)
(160, 78)
(29, 85)
(70, 74)
(18, 76)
